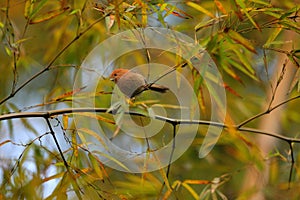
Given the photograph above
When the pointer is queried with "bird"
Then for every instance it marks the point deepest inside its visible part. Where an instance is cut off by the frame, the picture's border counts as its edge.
(132, 84)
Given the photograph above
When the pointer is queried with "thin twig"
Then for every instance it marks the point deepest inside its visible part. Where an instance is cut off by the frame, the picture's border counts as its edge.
(292, 165)
(270, 109)
(14, 92)
(56, 143)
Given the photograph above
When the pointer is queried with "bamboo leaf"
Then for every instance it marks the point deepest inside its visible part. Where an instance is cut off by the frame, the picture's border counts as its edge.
(220, 6)
(210, 22)
(95, 116)
(68, 94)
(94, 135)
(200, 8)
(241, 3)
(244, 60)
(261, 2)
(191, 190)
(197, 182)
(242, 69)
(28, 8)
(228, 69)
(47, 16)
(272, 37)
(65, 120)
(34, 11)
(96, 163)
(241, 40)
(112, 159)
(75, 144)
(8, 51)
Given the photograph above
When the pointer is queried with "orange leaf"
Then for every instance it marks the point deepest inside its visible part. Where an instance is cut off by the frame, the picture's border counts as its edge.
(232, 91)
(68, 94)
(220, 6)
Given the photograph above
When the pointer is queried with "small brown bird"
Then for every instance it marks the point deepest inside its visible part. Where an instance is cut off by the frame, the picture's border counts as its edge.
(131, 83)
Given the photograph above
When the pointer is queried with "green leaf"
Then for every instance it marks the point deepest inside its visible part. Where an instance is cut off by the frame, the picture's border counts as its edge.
(244, 60)
(96, 163)
(75, 11)
(34, 11)
(242, 69)
(241, 40)
(288, 13)
(273, 14)
(241, 3)
(291, 25)
(272, 37)
(8, 51)
(261, 2)
(200, 8)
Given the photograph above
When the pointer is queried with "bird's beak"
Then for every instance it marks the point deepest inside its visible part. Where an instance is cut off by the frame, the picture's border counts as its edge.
(112, 78)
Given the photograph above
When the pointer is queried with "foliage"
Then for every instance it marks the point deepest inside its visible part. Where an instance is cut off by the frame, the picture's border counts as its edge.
(44, 155)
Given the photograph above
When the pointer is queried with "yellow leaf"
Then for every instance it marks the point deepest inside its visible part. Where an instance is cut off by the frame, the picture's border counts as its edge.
(200, 8)
(94, 135)
(65, 119)
(98, 117)
(113, 159)
(197, 182)
(28, 8)
(164, 176)
(191, 190)
(75, 144)
(96, 163)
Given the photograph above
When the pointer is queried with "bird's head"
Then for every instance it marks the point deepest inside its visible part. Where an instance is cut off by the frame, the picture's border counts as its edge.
(117, 74)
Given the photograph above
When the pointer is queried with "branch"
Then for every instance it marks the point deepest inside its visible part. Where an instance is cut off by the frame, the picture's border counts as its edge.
(57, 144)
(270, 109)
(53, 113)
(16, 90)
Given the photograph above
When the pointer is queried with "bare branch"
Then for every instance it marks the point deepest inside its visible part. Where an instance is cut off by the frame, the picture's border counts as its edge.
(52, 113)
(270, 109)
(16, 90)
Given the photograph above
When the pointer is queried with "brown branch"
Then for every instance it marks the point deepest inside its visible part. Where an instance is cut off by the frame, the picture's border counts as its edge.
(270, 109)
(53, 113)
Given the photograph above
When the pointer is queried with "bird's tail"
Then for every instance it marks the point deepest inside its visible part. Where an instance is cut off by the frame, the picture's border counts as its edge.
(158, 88)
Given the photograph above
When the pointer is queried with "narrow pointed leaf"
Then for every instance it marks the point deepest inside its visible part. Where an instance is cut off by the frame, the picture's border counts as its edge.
(200, 8)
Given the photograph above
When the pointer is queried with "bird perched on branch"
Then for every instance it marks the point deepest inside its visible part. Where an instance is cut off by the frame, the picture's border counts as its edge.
(131, 83)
